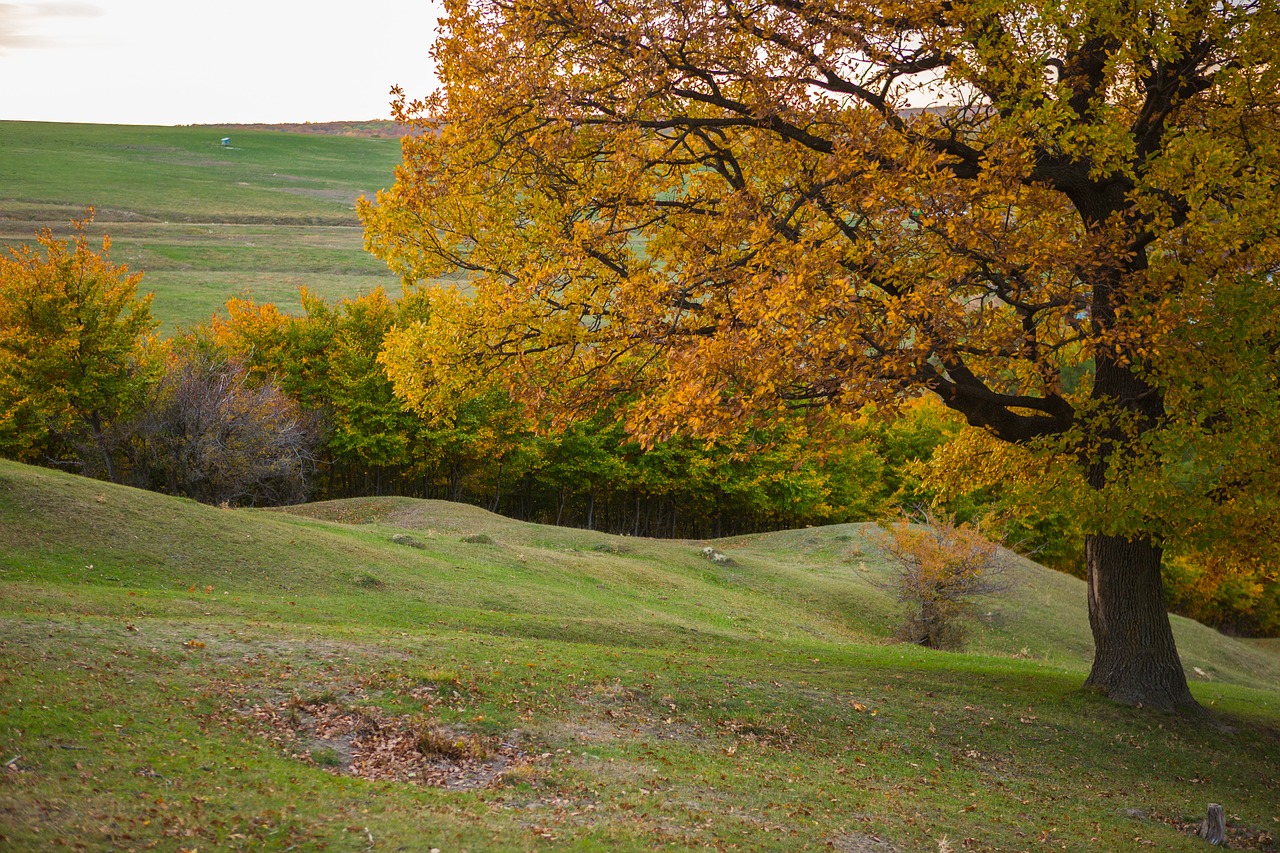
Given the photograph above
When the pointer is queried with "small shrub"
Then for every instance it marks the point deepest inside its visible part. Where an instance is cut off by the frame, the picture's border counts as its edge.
(212, 432)
(478, 539)
(366, 722)
(939, 568)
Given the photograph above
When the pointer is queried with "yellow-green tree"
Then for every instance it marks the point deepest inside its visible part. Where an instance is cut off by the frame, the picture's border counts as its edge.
(73, 334)
(731, 208)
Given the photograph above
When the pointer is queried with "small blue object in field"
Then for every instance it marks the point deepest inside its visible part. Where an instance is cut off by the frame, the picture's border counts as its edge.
(226, 142)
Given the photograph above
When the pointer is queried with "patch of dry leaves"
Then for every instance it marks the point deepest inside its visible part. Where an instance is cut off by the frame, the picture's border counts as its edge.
(368, 743)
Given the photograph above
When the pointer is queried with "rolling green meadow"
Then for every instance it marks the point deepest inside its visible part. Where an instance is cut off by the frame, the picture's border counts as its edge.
(272, 212)
(398, 674)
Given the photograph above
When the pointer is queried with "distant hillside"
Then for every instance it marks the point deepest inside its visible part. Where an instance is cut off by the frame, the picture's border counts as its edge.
(268, 213)
(186, 174)
(374, 129)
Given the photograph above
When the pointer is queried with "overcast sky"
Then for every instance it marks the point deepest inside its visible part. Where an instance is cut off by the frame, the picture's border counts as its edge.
(209, 61)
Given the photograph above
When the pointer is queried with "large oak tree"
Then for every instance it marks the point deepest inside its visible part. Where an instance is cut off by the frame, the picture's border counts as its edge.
(727, 208)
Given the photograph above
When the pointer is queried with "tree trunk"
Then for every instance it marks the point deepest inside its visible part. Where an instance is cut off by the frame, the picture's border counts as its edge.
(497, 491)
(1135, 660)
(455, 482)
(100, 439)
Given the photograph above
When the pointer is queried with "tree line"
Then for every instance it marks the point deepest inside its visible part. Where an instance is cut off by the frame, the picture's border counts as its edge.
(258, 407)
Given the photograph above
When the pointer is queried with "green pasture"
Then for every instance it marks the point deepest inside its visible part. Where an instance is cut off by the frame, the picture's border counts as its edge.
(394, 674)
(185, 174)
(272, 212)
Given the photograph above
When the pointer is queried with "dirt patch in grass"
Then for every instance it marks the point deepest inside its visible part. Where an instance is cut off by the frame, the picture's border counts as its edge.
(368, 743)
(622, 713)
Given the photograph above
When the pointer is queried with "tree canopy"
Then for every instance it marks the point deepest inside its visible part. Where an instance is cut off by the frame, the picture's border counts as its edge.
(1058, 217)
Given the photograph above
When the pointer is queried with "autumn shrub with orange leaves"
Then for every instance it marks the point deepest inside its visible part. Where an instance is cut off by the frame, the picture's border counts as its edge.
(939, 568)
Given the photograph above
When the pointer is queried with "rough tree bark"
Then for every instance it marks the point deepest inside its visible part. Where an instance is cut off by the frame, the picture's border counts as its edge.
(1135, 658)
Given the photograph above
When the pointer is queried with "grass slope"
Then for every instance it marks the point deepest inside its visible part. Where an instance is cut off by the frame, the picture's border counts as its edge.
(192, 677)
(270, 213)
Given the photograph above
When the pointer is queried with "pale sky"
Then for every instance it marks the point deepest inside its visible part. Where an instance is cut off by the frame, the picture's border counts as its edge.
(210, 61)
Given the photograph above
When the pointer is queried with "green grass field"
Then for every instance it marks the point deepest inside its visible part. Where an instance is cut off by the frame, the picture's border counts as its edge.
(392, 674)
(270, 213)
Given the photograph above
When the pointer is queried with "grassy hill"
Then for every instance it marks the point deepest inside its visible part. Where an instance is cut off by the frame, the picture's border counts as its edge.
(397, 674)
(269, 213)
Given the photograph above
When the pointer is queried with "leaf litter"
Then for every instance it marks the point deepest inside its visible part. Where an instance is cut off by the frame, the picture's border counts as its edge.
(369, 743)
